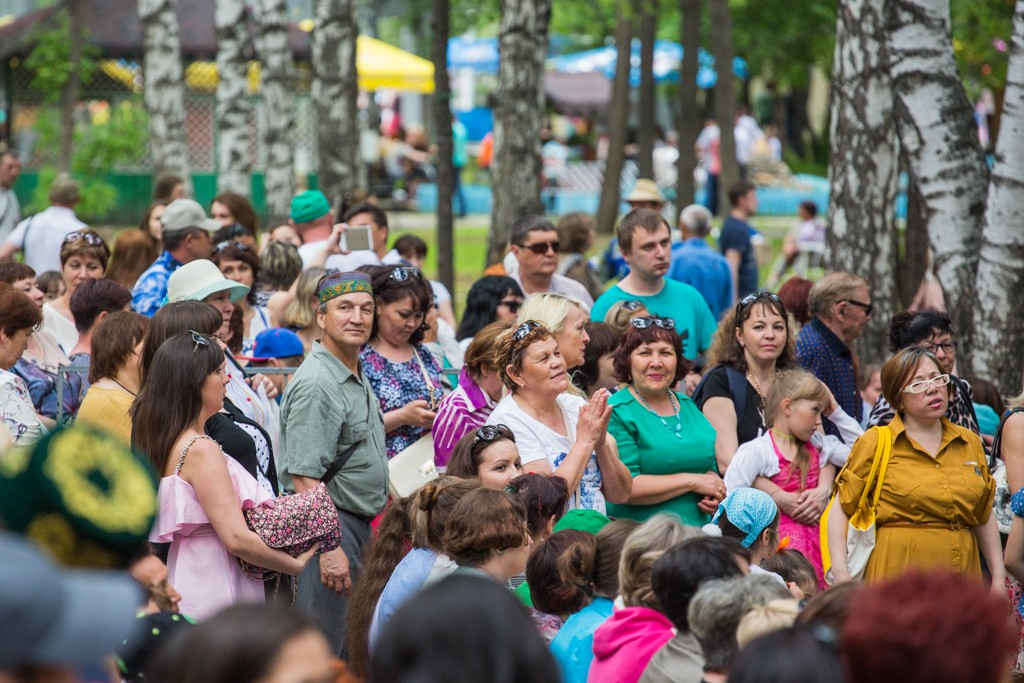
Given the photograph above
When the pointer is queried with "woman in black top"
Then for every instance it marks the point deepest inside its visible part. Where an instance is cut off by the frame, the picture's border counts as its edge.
(753, 340)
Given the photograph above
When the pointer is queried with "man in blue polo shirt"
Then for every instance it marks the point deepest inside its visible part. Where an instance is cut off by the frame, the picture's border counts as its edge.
(647, 245)
(735, 240)
(697, 264)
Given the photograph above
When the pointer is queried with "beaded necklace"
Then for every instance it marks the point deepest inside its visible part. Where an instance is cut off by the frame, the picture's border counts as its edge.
(678, 431)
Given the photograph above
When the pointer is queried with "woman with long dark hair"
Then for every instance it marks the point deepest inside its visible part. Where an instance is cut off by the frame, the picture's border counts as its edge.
(202, 492)
(491, 298)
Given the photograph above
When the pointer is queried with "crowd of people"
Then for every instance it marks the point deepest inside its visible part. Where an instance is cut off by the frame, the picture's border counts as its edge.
(623, 481)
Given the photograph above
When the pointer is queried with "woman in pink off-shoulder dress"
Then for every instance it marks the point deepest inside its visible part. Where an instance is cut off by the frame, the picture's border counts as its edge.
(202, 491)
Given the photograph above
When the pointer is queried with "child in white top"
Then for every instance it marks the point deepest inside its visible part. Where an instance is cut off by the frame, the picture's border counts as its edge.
(794, 461)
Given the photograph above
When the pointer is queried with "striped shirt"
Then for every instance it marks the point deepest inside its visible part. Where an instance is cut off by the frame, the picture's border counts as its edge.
(460, 412)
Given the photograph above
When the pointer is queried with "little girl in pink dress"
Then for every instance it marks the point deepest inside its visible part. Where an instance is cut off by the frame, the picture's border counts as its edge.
(794, 461)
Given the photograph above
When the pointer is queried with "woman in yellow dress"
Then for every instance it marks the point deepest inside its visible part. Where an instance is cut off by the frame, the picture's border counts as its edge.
(936, 497)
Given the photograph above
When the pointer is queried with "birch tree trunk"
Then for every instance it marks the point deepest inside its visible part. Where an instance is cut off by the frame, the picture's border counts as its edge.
(725, 97)
(233, 106)
(999, 306)
(443, 135)
(335, 91)
(689, 119)
(164, 89)
(938, 135)
(276, 61)
(518, 117)
(645, 118)
(862, 235)
(618, 120)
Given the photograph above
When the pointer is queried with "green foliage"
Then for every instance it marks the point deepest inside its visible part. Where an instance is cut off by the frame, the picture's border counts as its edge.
(97, 148)
(981, 38)
(781, 45)
(50, 59)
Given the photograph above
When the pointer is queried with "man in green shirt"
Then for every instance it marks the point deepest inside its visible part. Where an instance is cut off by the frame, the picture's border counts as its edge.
(330, 412)
(646, 244)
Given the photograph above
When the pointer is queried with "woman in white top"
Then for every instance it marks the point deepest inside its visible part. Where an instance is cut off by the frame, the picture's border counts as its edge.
(83, 255)
(557, 432)
(239, 263)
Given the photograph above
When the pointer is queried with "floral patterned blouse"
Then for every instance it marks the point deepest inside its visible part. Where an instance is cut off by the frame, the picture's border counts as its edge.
(17, 412)
(398, 384)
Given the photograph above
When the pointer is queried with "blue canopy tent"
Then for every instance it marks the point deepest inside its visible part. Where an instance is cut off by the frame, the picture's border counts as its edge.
(667, 57)
(479, 54)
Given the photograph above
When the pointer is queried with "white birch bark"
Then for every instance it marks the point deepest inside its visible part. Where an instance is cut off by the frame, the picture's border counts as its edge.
(999, 305)
(863, 167)
(938, 135)
(335, 91)
(518, 117)
(234, 109)
(164, 88)
(276, 60)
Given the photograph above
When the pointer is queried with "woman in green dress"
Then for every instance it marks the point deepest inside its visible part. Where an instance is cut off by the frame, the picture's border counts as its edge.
(664, 440)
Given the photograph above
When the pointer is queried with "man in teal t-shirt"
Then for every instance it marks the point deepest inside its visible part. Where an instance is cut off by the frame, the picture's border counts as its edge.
(646, 244)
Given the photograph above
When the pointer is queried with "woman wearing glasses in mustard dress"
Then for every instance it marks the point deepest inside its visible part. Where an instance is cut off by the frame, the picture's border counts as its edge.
(401, 370)
(753, 340)
(935, 505)
(663, 438)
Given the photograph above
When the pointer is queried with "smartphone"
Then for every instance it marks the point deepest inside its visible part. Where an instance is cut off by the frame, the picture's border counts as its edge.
(356, 238)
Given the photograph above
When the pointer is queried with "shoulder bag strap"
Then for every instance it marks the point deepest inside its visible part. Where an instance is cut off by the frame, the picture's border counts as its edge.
(738, 389)
(431, 399)
(881, 453)
(885, 441)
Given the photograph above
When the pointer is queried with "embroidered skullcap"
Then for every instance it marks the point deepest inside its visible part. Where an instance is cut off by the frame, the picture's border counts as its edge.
(749, 510)
(335, 285)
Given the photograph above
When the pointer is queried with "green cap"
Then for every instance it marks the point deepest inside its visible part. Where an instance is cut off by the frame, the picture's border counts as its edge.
(80, 495)
(309, 206)
(580, 519)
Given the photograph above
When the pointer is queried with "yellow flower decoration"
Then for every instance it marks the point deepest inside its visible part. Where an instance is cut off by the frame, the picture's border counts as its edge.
(54, 533)
(15, 461)
(100, 482)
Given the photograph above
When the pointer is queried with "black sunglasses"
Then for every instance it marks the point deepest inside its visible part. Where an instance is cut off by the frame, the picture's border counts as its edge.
(860, 304)
(541, 248)
(751, 298)
(241, 246)
(199, 339)
(238, 230)
(526, 328)
(646, 321)
(511, 304)
(90, 238)
(489, 433)
(633, 305)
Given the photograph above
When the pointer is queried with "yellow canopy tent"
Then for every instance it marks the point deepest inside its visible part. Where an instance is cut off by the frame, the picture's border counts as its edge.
(380, 66)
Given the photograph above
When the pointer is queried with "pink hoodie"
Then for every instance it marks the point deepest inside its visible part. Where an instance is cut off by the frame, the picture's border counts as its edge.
(625, 643)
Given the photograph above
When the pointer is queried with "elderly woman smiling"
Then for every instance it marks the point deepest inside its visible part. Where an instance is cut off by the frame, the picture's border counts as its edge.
(556, 431)
(663, 438)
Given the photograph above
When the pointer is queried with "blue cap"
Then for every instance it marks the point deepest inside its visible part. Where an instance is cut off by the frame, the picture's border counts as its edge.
(749, 510)
(276, 342)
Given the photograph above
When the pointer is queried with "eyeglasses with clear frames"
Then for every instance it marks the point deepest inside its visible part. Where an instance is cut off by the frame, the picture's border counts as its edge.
(925, 384)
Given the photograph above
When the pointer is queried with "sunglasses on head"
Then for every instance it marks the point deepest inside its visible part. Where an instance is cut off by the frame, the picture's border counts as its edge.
(541, 248)
(241, 246)
(238, 230)
(646, 321)
(199, 339)
(749, 299)
(489, 433)
(519, 334)
(633, 305)
(90, 238)
(404, 273)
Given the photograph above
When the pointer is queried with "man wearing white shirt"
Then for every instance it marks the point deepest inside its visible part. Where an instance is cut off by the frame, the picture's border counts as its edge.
(39, 237)
(535, 245)
(313, 219)
(10, 209)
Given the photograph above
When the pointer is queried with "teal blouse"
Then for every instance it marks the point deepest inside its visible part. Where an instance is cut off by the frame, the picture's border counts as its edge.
(646, 446)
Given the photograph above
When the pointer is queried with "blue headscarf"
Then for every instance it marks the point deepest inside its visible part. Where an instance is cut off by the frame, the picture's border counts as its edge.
(749, 510)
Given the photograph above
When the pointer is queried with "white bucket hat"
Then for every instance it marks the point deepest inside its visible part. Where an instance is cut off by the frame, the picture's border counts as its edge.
(199, 279)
